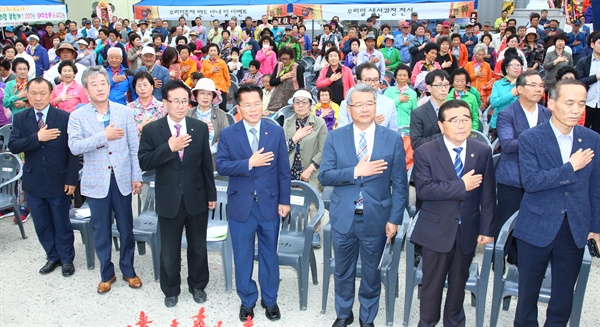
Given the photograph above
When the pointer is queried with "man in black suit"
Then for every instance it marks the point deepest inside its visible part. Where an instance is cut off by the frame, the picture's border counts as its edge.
(454, 176)
(424, 119)
(177, 147)
(49, 175)
(587, 69)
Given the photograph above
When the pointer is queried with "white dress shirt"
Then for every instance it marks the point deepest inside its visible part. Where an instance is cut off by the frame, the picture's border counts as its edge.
(593, 96)
(565, 142)
(369, 136)
(463, 153)
(182, 130)
(532, 117)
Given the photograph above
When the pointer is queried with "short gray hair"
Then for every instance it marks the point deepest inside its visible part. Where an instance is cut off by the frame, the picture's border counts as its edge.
(114, 49)
(361, 88)
(92, 72)
(480, 47)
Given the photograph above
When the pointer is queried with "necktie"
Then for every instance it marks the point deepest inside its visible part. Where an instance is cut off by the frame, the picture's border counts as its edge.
(178, 133)
(254, 144)
(40, 120)
(458, 164)
(362, 152)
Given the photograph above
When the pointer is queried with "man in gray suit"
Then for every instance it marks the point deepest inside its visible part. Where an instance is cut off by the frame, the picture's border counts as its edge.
(106, 134)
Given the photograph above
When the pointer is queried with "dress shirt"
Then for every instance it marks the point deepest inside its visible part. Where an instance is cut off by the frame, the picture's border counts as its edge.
(369, 136)
(201, 36)
(565, 142)
(532, 117)
(436, 108)
(44, 113)
(463, 153)
(593, 96)
(182, 129)
(365, 56)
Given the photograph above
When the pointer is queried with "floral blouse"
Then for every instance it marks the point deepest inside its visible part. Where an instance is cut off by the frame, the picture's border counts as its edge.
(154, 110)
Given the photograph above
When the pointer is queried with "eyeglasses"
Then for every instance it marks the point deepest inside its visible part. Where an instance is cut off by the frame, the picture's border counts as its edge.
(248, 106)
(370, 80)
(301, 102)
(456, 122)
(177, 102)
(516, 66)
(537, 86)
(361, 105)
(363, 30)
(441, 86)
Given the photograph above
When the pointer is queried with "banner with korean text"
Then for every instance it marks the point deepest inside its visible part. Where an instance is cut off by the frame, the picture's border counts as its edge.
(17, 15)
(208, 13)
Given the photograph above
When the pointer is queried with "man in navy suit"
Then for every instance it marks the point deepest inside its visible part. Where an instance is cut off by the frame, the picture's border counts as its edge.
(454, 176)
(49, 175)
(561, 207)
(361, 160)
(255, 157)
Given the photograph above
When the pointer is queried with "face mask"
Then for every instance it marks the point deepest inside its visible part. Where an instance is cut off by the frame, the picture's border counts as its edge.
(234, 57)
(266, 46)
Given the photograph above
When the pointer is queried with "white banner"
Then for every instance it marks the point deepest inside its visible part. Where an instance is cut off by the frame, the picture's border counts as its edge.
(393, 11)
(206, 12)
(17, 15)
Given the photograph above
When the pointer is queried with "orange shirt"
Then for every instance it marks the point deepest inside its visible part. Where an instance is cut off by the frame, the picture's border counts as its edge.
(192, 68)
(221, 77)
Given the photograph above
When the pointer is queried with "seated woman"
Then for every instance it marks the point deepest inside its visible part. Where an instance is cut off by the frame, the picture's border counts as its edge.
(253, 76)
(207, 111)
(216, 69)
(404, 97)
(460, 82)
(326, 109)
(68, 95)
(306, 135)
(335, 76)
(146, 108)
(170, 60)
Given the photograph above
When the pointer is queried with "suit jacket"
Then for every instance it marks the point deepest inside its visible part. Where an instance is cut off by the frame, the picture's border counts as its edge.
(311, 146)
(551, 187)
(423, 125)
(381, 205)
(582, 68)
(191, 179)
(511, 123)
(445, 199)
(50, 165)
(87, 137)
(272, 183)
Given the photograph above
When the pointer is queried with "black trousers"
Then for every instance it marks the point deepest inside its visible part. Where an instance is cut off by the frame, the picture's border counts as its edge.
(436, 265)
(592, 118)
(171, 230)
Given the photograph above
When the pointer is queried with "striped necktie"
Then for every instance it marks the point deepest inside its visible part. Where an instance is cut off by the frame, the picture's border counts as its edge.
(362, 152)
(40, 120)
(458, 164)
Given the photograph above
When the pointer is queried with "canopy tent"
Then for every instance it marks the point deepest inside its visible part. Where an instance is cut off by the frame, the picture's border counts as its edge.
(17, 12)
(309, 9)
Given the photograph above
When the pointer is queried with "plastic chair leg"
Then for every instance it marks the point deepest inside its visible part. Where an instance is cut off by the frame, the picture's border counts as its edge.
(313, 267)
(227, 259)
(17, 213)
(155, 245)
(141, 248)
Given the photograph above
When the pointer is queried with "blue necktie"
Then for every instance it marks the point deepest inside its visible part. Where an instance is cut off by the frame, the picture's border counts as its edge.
(458, 164)
(362, 152)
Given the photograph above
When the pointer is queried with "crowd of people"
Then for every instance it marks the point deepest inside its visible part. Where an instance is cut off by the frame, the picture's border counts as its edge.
(145, 96)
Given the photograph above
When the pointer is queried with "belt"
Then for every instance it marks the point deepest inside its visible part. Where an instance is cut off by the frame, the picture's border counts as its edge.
(255, 198)
(358, 212)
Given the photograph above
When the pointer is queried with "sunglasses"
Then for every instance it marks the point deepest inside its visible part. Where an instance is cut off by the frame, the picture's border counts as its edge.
(363, 30)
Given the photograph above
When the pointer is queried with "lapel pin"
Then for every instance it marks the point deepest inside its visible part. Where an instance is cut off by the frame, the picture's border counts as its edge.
(266, 133)
(192, 129)
(472, 155)
(579, 140)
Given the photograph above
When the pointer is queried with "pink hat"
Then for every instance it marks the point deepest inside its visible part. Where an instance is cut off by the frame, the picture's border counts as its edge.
(446, 24)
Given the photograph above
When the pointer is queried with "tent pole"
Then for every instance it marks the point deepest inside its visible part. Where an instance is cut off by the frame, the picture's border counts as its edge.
(313, 31)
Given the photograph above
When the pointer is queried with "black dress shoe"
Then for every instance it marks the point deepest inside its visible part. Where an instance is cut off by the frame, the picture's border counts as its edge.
(272, 313)
(198, 294)
(245, 312)
(362, 324)
(339, 322)
(171, 301)
(49, 267)
(68, 270)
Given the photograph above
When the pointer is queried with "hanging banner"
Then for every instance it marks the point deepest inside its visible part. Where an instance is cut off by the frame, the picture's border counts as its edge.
(17, 15)
(394, 11)
(208, 13)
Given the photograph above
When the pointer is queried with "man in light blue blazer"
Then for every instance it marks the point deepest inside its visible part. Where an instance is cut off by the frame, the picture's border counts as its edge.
(561, 207)
(254, 155)
(361, 160)
(106, 134)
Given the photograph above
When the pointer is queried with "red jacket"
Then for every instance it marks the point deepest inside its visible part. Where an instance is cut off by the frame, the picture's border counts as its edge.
(347, 79)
